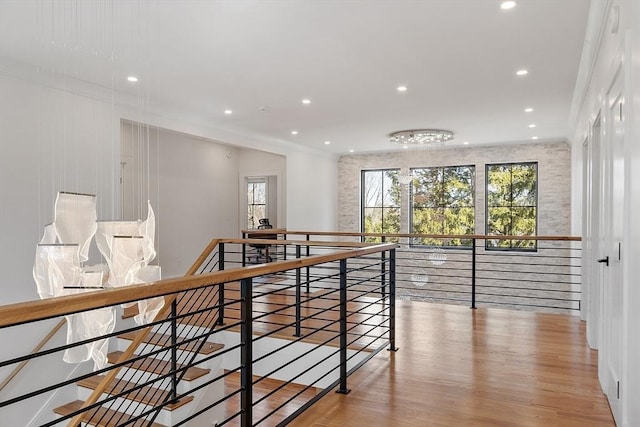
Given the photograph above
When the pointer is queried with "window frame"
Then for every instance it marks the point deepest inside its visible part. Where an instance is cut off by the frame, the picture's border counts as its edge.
(363, 207)
(253, 181)
(534, 248)
(411, 207)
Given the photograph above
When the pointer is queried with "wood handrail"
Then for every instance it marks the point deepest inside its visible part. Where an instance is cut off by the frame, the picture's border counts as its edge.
(140, 337)
(432, 236)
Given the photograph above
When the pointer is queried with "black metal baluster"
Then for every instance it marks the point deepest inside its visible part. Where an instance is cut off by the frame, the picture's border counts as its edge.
(246, 352)
(392, 300)
(473, 273)
(221, 286)
(343, 328)
(174, 350)
(298, 284)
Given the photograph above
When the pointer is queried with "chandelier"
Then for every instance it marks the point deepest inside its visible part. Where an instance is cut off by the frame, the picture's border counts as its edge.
(420, 136)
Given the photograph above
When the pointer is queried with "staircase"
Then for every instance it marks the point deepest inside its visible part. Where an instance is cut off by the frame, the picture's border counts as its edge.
(136, 399)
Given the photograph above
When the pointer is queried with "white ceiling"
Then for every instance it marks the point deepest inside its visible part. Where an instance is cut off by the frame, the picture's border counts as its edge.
(260, 58)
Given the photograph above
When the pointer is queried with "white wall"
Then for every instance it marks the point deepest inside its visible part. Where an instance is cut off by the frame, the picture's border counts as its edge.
(193, 189)
(602, 46)
(312, 192)
(53, 139)
(255, 163)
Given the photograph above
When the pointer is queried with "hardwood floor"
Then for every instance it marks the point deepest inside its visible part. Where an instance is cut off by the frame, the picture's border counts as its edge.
(461, 367)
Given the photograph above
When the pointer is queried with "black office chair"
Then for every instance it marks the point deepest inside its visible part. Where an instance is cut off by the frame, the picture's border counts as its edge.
(262, 250)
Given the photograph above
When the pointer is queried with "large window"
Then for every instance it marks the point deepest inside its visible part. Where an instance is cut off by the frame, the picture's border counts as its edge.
(256, 201)
(381, 202)
(512, 199)
(442, 202)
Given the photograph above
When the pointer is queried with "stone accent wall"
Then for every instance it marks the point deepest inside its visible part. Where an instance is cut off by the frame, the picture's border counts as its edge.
(554, 179)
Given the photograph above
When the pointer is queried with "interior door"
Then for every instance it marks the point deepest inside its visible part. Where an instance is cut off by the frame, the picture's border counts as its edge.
(592, 234)
(610, 357)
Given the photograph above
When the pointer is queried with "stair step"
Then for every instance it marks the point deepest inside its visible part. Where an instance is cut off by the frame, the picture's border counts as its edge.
(147, 394)
(164, 340)
(104, 417)
(159, 366)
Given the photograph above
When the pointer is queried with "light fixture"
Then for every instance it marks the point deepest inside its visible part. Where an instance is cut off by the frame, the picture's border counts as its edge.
(402, 88)
(306, 101)
(294, 132)
(420, 136)
(132, 79)
(534, 137)
(522, 72)
(528, 110)
(228, 112)
(327, 142)
(506, 5)
(466, 143)
(532, 125)
(351, 151)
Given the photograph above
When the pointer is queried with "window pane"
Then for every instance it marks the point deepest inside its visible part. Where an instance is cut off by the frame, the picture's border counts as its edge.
(391, 220)
(372, 189)
(250, 193)
(523, 222)
(442, 202)
(260, 191)
(523, 181)
(499, 221)
(372, 220)
(499, 185)
(392, 188)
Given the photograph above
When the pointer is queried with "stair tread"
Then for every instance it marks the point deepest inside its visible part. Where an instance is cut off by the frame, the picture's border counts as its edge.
(105, 417)
(148, 395)
(156, 338)
(159, 366)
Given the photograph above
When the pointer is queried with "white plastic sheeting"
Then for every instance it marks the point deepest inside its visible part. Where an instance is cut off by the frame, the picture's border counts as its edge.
(75, 220)
(127, 246)
(57, 272)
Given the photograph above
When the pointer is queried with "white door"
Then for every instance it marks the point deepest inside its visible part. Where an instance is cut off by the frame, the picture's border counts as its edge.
(591, 234)
(610, 354)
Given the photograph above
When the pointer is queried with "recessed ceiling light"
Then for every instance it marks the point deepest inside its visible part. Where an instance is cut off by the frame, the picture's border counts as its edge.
(327, 142)
(532, 125)
(466, 143)
(351, 151)
(534, 137)
(522, 72)
(402, 88)
(132, 79)
(506, 5)
(227, 112)
(306, 101)
(405, 147)
(528, 110)
(294, 132)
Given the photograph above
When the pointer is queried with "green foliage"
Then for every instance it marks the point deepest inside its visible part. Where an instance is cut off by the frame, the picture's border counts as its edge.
(443, 203)
(511, 203)
(381, 197)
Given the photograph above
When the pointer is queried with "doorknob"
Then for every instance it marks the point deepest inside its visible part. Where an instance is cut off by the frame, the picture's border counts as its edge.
(605, 260)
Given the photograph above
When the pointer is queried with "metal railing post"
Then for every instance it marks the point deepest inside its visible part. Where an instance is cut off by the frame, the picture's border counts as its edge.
(221, 286)
(343, 328)
(308, 268)
(174, 351)
(298, 284)
(473, 273)
(244, 250)
(246, 352)
(392, 300)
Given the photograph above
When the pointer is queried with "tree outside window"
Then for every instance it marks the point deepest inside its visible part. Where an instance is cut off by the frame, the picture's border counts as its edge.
(442, 202)
(381, 192)
(512, 198)
(256, 201)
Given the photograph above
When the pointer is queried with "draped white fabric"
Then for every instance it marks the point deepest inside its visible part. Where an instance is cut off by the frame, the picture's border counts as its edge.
(56, 266)
(75, 220)
(128, 248)
(149, 308)
(57, 272)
